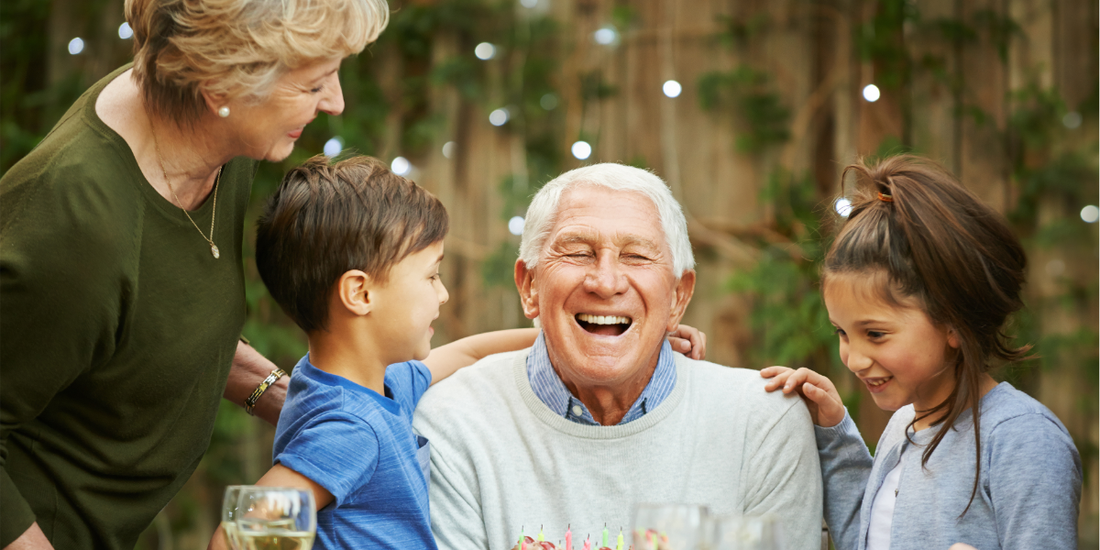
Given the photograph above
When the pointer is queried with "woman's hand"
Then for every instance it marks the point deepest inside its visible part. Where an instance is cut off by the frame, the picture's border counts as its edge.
(819, 393)
(689, 341)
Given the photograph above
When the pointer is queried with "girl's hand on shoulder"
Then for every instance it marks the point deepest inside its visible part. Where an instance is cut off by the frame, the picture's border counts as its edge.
(819, 393)
(689, 341)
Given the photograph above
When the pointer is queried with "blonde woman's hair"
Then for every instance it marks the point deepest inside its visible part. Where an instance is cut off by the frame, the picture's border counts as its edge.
(238, 48)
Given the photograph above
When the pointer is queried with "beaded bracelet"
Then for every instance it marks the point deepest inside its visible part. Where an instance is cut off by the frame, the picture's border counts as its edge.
(250, 403)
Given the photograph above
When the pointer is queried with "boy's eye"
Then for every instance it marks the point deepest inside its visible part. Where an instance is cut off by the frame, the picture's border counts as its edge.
(839, 332)
(875, 334)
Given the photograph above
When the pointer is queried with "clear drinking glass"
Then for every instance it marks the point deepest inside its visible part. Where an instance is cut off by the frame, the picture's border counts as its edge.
(736, 532)
(668, 526)
(229, 516)
(276, 518)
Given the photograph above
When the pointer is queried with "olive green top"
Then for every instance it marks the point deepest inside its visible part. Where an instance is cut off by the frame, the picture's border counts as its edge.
(117, 331)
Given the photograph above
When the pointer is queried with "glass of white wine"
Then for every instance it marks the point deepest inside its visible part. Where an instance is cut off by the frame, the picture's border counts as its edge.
(668, 526)
(229, 516)
(276, 518)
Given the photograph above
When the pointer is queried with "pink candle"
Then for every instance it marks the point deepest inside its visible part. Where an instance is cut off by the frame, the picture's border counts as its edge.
(588, 543)
(569, 537)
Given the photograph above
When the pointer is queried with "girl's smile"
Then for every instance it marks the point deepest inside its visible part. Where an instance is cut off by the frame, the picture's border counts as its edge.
(899, 354)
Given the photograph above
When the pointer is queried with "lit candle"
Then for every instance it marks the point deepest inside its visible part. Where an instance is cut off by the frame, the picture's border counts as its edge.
(619, 541)
(604, 545)
(569, 537)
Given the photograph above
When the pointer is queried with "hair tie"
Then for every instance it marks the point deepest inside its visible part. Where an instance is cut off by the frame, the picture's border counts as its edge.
(884, 197)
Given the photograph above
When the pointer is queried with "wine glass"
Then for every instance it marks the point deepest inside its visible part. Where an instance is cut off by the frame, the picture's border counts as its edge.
(229, 516)
(276, 518)
(737, 532)
(668, 526)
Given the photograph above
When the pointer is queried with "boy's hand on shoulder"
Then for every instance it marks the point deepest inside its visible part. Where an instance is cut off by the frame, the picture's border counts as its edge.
(817, 391)
(689, 341)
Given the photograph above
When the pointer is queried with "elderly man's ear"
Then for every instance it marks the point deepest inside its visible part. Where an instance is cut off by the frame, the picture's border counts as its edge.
(528, 296)
(685, 288)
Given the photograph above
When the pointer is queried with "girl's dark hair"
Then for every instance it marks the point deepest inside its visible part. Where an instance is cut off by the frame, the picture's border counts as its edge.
(328, 218)
(938, 243)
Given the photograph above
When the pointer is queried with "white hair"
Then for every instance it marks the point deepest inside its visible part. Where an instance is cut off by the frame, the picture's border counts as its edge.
(543, 212)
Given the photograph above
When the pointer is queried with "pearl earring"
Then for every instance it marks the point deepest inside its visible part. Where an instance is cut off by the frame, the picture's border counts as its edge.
(223, 112)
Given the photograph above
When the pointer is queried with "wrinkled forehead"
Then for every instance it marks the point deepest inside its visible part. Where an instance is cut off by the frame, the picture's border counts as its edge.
(591, 210)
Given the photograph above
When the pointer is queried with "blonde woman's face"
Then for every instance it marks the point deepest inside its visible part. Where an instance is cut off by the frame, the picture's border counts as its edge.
(269, 129)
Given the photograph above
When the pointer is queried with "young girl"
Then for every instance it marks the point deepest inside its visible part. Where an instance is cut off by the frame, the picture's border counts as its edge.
(919, 284)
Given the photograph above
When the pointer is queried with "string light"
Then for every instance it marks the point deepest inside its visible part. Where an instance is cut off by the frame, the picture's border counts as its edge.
(485, 51)
(449, 149)
(606, 35)
(125, 32)
(871, 93)
(515, 225)
(76, 45)
(671, 88)
(843, 206)
(498, 117)
(1090, 214)
(581, 150)
(333, 147)
(401, 166)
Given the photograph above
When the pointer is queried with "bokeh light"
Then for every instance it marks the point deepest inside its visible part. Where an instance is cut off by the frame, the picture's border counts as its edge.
(498, 117)
(449, 149)
(401, 166)
(76, 45)
(515, 225)
(581, 150)
(333, 147)
(125, 32)
(548, 102)
(485, 51)
(871, 93)
(606, 35)
(1090, 213)
(843, 206)
(671, 88)
(1072, 120)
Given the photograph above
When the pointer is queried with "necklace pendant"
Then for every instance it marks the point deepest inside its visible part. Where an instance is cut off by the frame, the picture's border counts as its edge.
(214, 250)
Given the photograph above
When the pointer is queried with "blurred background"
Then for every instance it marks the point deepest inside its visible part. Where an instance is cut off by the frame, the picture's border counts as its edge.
(748, 109)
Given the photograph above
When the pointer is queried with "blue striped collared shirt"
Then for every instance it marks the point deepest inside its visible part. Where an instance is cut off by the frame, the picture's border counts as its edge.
(552, 391)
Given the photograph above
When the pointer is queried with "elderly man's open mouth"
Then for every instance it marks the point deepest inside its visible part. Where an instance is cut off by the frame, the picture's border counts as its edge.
(604, 325)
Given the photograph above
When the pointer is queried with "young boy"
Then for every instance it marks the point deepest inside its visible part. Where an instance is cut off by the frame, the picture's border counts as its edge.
(351, 252)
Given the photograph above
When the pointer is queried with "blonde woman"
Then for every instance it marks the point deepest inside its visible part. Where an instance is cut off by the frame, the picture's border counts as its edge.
(120, 259)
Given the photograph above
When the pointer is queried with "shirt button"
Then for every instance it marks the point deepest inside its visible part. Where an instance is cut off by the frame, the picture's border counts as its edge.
(577, 410)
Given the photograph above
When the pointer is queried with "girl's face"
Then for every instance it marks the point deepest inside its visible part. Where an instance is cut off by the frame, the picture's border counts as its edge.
(895, 350)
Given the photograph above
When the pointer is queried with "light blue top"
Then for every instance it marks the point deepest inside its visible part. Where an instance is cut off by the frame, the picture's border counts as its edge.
(1028, 492)
(552, 391)
(360, 447)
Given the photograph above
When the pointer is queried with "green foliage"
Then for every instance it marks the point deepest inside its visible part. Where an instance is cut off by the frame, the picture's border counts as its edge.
(758, 109)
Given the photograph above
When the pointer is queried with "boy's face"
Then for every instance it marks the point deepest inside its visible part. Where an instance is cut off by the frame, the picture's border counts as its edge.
(408, 303)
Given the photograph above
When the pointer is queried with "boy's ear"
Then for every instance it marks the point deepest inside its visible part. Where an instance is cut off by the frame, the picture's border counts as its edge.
(353, 292)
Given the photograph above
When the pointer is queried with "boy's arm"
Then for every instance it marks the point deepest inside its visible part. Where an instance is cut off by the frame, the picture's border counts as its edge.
(279, 476)
(445, 360)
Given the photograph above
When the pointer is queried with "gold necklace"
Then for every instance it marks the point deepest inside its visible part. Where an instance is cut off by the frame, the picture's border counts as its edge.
(213, 214)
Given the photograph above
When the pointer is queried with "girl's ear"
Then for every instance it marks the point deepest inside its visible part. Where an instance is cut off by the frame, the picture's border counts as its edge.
(952, 338)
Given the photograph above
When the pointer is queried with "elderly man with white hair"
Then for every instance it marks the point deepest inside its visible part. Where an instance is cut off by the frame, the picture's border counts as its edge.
(600, 414)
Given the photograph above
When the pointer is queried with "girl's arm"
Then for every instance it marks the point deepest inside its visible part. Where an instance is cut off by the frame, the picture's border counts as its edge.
(817, 391)
(445, 360)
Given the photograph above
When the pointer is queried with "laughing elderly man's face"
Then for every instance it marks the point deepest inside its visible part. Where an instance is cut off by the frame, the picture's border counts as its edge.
(604, 288)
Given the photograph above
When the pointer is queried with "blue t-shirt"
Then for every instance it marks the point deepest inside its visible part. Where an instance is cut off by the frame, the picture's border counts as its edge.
(360, 447)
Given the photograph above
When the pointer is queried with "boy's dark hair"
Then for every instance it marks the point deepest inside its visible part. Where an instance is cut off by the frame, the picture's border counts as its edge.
(935, 241)
(326, 219)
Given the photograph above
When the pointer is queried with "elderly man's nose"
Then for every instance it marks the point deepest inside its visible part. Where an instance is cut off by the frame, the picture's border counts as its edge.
(605, 278)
